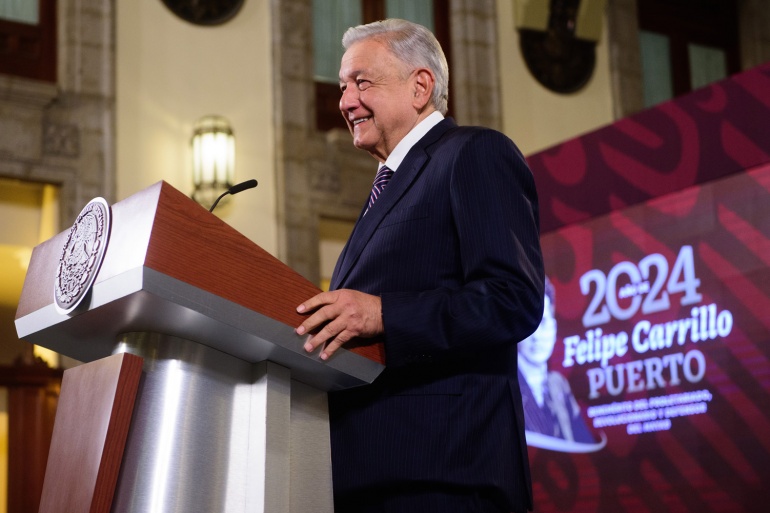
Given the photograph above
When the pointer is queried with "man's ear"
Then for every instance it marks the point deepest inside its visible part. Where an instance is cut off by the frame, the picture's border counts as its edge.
(423, 83)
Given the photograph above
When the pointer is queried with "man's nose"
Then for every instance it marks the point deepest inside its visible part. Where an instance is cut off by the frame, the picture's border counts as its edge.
(349, 99)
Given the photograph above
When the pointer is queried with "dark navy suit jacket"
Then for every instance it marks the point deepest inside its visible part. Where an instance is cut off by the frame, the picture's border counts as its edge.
(452, 248)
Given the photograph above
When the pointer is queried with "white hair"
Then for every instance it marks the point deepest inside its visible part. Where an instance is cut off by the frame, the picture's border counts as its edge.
(412, 44)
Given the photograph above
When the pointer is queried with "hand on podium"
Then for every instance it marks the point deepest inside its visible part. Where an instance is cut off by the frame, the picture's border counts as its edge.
(344, 314)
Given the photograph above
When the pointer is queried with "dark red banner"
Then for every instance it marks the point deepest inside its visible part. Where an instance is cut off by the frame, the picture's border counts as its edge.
(709, 134)
(648, 389)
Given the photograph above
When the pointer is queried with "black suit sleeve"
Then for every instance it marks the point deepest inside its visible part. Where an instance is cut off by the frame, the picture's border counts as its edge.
(497, 298)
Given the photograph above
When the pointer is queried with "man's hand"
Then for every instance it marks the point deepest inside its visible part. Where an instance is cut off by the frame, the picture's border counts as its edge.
(346, 313)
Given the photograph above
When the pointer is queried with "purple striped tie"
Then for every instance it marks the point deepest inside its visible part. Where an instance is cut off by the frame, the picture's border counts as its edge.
(381, 179)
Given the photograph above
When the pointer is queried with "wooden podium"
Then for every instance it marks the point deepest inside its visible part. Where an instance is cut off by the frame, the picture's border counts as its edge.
(230, 413)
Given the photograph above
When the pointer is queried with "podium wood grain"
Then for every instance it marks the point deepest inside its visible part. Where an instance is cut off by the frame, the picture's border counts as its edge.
(177, 250)
(164, 230)
(92, 423)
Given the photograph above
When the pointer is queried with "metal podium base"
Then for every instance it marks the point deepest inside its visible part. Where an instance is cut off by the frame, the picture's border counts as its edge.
(212, 433)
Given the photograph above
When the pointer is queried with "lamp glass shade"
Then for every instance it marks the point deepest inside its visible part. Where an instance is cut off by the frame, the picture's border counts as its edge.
(213, 146)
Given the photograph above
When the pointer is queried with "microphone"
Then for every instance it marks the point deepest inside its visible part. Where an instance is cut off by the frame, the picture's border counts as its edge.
(235, 189)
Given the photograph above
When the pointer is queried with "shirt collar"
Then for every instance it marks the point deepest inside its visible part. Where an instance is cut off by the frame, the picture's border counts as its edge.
(402, 148)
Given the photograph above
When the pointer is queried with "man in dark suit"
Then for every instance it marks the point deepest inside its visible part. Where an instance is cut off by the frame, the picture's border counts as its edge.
(444, 267)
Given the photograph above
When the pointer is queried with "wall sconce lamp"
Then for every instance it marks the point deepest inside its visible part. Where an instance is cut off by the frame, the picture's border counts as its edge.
(213, 146)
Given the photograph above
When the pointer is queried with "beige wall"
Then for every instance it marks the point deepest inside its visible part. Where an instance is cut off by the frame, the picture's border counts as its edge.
(169, 74)
(536, 118)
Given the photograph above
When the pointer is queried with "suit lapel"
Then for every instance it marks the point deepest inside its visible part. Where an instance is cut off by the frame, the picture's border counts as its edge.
(411, 167)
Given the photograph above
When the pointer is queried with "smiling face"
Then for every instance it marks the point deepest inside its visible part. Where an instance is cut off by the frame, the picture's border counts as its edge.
(382, 99)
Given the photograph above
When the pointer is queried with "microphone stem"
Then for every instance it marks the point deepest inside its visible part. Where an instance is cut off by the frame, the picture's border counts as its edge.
(235, 189)
(217, 200)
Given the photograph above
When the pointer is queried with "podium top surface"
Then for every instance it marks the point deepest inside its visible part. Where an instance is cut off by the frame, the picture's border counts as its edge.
(172, 267)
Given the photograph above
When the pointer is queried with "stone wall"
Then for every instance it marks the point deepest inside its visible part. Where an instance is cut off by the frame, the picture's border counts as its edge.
(63, 133)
